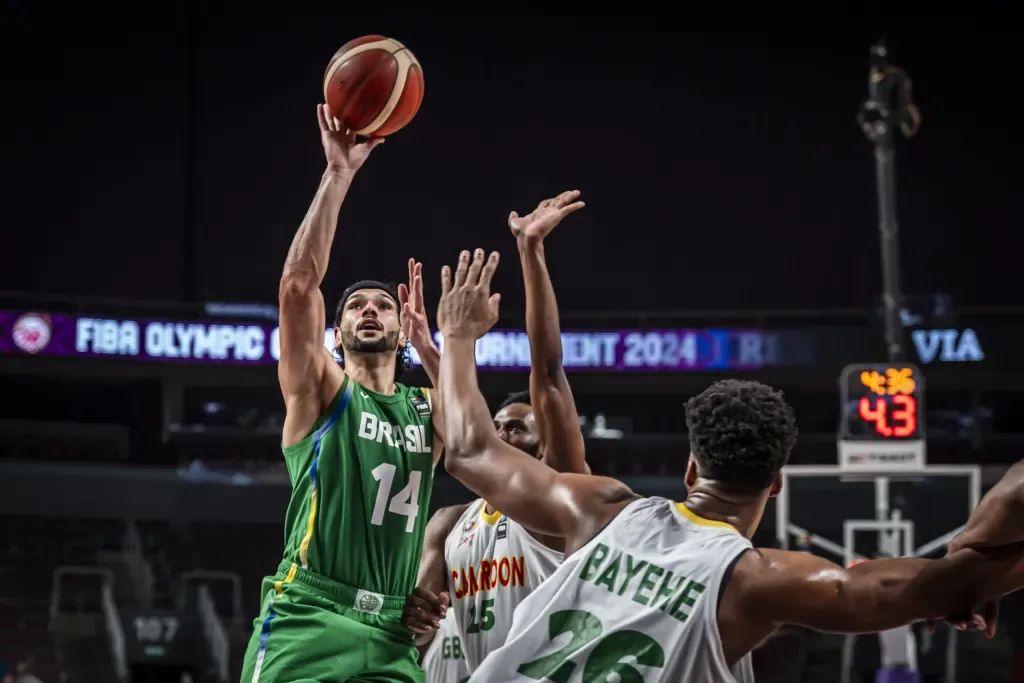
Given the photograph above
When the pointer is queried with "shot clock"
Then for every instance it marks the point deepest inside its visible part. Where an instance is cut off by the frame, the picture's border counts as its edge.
(882, 418)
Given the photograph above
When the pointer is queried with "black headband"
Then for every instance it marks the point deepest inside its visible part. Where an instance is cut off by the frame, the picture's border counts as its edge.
(369, 284)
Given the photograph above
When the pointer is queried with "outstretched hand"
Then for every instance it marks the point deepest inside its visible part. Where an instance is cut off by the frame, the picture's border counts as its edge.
(467, 308)
(548, 214)
(415, 326)
(340, 147)
(985, 618)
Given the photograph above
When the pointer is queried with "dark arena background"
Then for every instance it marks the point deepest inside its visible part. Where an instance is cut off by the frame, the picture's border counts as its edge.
(743, 186)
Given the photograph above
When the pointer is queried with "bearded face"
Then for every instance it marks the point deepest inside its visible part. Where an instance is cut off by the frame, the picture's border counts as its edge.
(517, 427)
(369, 323)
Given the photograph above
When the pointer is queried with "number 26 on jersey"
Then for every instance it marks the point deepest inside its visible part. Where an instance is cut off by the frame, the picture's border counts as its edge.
(605, 662)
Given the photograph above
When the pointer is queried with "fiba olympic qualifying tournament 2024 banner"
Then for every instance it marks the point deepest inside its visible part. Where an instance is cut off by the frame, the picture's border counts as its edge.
(236, 343)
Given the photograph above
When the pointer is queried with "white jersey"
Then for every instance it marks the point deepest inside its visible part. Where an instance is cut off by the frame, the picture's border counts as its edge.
(444, 661)
(493, 565)
(639, 602)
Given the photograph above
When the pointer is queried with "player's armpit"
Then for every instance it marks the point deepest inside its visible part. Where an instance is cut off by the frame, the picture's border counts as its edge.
(775, 587)
(526, 490)
(572, 506)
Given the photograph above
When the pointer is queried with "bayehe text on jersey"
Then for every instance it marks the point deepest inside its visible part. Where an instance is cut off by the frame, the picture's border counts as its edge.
(642, 582)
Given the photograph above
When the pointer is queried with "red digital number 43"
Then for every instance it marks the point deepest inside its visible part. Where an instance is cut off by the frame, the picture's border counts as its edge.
(903, 418)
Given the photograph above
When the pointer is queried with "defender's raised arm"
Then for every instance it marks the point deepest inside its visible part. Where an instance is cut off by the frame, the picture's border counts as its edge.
(553, 406)
(303, 318)
(528, 491)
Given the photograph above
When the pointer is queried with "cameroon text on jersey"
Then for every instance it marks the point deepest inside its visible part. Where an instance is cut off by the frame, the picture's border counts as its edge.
(491, 573)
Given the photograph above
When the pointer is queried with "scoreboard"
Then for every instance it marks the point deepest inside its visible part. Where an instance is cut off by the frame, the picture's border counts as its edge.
(881, 418)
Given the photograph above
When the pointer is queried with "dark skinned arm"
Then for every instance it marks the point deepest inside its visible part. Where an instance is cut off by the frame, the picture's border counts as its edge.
(999, 518)
(569, 505)
(428, 603)
(770, 588)
(558, 423)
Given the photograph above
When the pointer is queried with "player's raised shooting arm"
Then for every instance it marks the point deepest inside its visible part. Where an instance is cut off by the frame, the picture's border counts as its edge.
(776, 587)
(303, 317)
(525, 489)
(558, 423)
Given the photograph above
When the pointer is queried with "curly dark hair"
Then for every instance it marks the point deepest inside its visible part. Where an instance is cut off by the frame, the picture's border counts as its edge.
(516, 397)
(741, 433)
(403, 358)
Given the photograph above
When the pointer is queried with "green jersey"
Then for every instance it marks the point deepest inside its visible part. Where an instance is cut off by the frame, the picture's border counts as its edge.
(361, 487)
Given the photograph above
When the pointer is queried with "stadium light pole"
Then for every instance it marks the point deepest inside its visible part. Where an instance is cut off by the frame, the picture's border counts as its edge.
(888, 107)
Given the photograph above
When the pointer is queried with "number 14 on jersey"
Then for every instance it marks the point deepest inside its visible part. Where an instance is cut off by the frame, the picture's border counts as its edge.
(405, 502)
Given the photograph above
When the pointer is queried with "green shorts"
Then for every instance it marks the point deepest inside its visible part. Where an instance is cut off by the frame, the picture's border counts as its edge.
(314, 629)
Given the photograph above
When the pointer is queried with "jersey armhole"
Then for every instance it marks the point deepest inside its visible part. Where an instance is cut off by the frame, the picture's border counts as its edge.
(327, 419)
(714, 628)
(566, 556)
(438, 444)
(455, 524)
(726, 576)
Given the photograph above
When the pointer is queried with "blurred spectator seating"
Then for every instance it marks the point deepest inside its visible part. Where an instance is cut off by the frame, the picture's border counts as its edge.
(63, 441)
(31, 549)
(252, 551)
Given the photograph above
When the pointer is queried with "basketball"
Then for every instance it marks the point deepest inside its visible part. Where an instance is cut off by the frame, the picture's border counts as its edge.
(374, 85)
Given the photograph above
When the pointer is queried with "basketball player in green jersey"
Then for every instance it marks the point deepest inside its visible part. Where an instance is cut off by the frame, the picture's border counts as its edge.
(360, 450)
(615, 614)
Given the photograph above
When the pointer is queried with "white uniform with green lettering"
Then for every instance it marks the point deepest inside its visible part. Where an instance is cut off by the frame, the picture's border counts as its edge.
(493, 565)
(637, 604)
(444, 661)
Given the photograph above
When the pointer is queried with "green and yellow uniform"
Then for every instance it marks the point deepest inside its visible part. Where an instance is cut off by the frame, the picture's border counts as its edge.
(361, 485)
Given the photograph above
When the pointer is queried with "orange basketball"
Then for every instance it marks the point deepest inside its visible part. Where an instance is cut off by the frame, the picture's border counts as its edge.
(374, 85)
